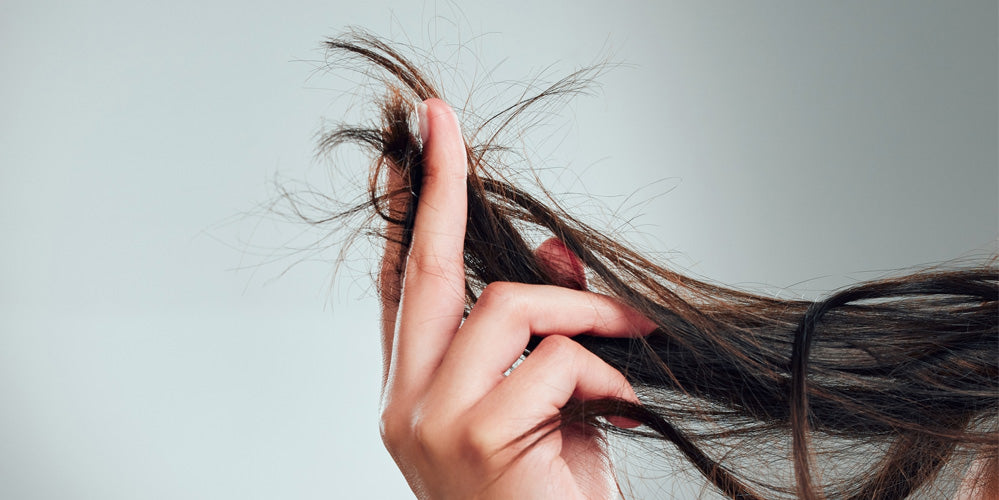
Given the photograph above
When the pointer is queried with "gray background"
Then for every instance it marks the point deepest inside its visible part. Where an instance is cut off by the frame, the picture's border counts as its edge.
(149, 348)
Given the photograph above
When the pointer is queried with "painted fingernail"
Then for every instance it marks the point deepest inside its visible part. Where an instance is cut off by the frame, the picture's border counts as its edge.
(421, 117)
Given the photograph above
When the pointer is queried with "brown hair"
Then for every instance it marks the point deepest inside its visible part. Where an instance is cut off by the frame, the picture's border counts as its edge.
(872, 391)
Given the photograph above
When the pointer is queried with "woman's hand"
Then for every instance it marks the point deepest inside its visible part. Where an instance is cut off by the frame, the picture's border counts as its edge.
(450, 418)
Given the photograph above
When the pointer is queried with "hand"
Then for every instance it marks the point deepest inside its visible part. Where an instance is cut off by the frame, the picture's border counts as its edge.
(450, 418)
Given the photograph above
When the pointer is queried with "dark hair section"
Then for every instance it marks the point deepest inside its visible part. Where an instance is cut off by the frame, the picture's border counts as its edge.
(872, 392)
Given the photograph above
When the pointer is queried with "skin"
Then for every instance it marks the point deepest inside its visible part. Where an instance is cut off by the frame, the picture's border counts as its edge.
(450, 418)
(981, 481)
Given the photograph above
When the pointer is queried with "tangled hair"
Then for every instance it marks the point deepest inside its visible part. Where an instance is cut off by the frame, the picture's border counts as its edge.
(871, 392)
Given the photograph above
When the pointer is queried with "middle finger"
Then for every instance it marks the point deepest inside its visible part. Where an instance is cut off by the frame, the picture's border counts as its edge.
(505, 317)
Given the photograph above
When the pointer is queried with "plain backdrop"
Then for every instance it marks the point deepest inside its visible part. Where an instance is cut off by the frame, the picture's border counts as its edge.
(155, 344)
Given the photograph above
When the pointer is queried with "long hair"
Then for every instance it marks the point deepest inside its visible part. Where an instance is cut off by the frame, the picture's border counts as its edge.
(868, 393)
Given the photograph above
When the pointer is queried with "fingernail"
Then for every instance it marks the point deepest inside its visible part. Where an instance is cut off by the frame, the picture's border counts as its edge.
(421, 117)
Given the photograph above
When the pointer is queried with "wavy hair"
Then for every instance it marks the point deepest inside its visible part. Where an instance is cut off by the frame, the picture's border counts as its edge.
(870, 392)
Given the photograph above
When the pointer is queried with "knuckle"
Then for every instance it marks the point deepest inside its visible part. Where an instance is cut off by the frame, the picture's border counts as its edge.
(444, 176)
(500, 294)
(424, 434)
(420, 429)
(558, 347)
(394, 429)
(429, 434)
(430, 265)
(480, 443)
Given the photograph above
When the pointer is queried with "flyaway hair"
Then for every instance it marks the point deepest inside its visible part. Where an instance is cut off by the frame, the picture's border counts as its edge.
(875, 391)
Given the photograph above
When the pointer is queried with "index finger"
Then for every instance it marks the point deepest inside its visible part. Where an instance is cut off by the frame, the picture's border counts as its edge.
(390, 276)
(433, 291)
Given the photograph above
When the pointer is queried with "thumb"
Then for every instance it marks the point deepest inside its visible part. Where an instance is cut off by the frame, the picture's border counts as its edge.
(564, 266)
